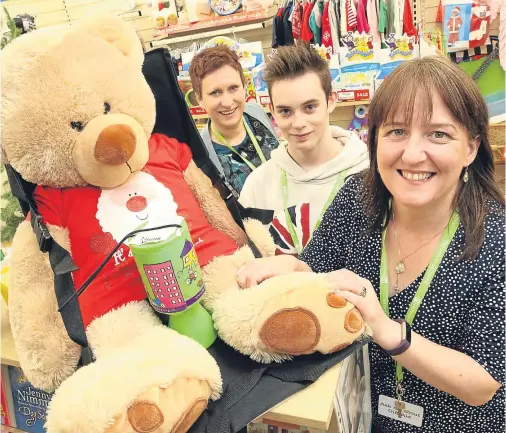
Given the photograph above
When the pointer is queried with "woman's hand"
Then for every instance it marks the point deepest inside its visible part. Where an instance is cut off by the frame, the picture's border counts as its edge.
(359, 291)
(258, 270)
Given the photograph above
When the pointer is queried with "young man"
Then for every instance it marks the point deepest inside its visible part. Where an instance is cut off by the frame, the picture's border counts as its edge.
(239, 136)
(292, 191)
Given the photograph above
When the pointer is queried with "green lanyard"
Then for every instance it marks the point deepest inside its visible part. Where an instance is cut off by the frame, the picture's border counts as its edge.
(251, 136)
(284, 187)
(448, 235)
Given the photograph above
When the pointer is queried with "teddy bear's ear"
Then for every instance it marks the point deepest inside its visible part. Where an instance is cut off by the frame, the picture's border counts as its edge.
(114, 30)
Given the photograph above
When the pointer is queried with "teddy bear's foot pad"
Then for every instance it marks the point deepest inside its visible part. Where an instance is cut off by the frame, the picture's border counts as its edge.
(156, 384)
(164, 408)
(293, 331)
(287, 315)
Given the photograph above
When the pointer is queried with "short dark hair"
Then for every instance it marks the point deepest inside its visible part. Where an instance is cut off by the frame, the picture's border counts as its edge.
(419, 79)
(294, 61)
(210, 60)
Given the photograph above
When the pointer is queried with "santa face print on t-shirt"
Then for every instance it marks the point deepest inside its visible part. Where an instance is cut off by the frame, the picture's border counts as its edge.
(141, 203)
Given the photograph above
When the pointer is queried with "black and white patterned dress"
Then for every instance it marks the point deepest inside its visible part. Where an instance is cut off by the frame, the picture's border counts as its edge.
(464, 309)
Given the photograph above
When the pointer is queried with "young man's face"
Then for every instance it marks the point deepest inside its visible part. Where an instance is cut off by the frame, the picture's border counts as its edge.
(223, 97)
(301, 110)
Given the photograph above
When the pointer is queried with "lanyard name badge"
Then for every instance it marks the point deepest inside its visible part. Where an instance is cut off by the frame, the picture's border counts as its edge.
(397, 408)
(291, 228)
(253, 140)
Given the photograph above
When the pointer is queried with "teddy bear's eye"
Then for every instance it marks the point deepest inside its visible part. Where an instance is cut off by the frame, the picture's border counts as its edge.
(107, 108)
(78, 126)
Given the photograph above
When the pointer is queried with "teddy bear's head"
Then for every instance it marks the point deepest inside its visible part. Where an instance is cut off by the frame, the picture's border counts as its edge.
(76, 109)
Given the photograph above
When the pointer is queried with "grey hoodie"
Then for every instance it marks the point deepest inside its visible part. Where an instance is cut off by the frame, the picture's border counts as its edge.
(308, 192)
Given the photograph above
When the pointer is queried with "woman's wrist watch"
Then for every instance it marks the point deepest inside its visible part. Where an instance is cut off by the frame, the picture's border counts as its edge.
(405, 339)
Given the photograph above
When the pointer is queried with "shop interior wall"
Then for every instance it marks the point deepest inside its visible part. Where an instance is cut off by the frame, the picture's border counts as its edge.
(64, 12)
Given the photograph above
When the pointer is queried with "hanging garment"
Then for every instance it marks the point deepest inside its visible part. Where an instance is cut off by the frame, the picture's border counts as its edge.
(372, 18)
(326, 30)
(334, 24)
(297, 20)
(439, 13)
(281, 26)
(275, 41)
(351, 16)
(343, 21)
(287, 25)
(315, 21)
(307, 33)
(394, 21)
(362, 24)
(408, 24)
(383, 17)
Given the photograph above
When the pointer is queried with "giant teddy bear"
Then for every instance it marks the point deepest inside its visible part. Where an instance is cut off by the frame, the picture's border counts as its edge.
(77, 117)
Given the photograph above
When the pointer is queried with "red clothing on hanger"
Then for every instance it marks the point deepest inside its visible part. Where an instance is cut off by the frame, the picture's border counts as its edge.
(306, 33)
(408, 26)
(326, 31)
(362, 24)
(296, 20)
(439, 13)
(351, 18)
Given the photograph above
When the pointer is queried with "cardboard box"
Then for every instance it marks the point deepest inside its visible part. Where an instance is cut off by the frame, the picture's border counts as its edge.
(358, 66)
(400, 49)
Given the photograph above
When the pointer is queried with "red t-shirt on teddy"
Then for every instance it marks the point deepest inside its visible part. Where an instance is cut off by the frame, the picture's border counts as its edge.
(98, 219)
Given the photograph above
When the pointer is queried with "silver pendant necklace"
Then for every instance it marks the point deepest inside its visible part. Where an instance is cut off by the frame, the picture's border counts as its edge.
(400, 266)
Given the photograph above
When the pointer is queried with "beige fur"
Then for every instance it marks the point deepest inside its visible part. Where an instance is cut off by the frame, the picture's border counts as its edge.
(55, 58)
(112, 29)
(260, 237)
(240, 325)
(211, 203)
(182, 391)
(112, 331)
(107, 176)
(45, 351)
(220, 276)
(239, 314)
(93, 396)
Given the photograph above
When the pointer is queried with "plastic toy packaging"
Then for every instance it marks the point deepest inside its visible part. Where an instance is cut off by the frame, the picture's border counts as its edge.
(400, 49)
(359, 65)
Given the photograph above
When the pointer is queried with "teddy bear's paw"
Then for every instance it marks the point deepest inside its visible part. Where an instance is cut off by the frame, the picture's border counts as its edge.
(293, 314)
(164, 408)
(160, 382)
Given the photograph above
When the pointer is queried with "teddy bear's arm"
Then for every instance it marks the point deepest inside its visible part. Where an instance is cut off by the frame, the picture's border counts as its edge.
(212, 204)
(46, 353)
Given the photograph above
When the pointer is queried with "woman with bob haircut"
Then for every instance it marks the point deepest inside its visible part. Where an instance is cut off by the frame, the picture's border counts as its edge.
(417, 244)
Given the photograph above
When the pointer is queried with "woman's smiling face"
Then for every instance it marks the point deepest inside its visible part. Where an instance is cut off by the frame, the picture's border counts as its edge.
(421, 161)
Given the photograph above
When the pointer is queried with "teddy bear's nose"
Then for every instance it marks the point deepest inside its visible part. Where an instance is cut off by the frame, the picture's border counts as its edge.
(115, 145)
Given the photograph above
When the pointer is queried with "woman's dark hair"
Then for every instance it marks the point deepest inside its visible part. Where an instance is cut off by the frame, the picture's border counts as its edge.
(418, 80)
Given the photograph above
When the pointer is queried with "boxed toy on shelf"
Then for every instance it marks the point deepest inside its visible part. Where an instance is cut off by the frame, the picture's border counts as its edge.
(400, 49)
(358, 65)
